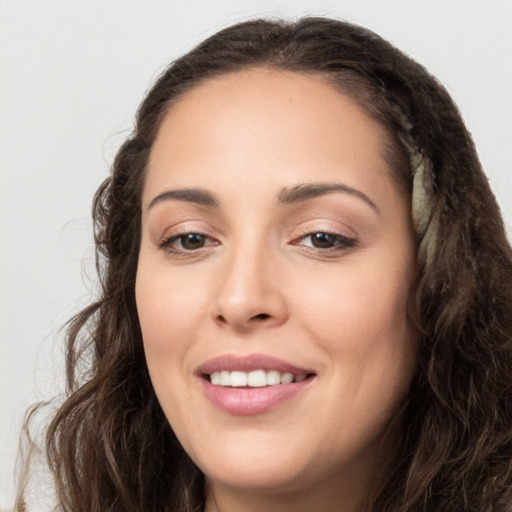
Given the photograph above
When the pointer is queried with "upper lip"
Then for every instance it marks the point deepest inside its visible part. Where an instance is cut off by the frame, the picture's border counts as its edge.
(231, 362)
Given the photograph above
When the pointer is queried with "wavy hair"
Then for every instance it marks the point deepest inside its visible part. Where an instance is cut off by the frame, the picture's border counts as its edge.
(109, 446)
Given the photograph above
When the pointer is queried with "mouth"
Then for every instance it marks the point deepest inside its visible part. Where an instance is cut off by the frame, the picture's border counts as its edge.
(254, 371)
(255, 379)
(252, 384)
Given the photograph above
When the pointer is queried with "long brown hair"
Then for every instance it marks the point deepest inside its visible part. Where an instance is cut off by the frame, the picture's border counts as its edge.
(109, 445)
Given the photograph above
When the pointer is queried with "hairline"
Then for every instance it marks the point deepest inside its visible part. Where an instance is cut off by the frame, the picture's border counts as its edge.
(392, 148)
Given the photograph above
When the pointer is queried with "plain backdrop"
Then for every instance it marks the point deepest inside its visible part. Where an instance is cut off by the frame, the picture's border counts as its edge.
(71, 77)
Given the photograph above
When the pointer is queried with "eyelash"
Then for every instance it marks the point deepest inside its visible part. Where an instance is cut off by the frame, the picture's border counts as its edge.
(166, 243)
(341, 242)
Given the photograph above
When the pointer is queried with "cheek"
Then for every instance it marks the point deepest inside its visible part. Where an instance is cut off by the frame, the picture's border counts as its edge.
(170, 311)
(164, 299)
(355, 304)
(358, 319)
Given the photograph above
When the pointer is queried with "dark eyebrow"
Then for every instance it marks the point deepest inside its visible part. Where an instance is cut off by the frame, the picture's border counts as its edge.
(307, 191)
(192, 195)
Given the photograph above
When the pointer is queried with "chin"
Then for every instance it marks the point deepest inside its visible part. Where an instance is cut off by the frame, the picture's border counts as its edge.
(257, 465)
(261, 478)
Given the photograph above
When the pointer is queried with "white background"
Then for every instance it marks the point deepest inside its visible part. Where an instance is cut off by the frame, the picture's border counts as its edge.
(71, 76)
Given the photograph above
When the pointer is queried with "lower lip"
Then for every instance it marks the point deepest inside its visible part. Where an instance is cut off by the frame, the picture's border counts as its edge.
(248, 401)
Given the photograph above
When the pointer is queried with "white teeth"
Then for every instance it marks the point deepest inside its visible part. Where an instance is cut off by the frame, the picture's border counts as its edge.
(238, 379)
(273, 378)
(257, 379)
(286, 378)
(254, 379)
(225, 378)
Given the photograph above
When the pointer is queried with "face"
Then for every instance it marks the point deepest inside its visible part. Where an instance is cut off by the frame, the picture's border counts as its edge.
(275, 265)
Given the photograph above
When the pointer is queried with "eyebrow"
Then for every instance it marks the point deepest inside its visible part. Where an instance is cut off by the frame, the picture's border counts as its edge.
(307, 191)
(191, 195)
(288, 195)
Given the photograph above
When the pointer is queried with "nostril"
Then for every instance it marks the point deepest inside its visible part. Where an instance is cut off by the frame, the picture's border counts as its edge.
(261, 316)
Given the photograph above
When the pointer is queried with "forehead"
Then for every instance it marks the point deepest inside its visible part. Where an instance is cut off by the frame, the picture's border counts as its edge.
(268, 124)
(267, 95)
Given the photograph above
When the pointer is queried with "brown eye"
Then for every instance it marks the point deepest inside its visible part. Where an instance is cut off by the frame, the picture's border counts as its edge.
(323, 240)
(186, 242)
(192, 241)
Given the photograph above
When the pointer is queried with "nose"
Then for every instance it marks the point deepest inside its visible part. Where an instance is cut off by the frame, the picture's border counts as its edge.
(250, 293)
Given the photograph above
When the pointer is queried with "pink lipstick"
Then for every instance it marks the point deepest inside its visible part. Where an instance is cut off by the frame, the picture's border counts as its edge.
(252, 384)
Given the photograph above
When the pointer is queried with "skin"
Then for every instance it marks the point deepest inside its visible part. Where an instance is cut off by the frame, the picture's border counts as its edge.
(260, 285)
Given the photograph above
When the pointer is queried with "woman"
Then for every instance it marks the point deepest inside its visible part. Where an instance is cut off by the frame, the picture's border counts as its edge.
(305, 293)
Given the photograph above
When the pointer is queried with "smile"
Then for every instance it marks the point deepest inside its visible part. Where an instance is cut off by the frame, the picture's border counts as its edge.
(253, 384)
(254, 379)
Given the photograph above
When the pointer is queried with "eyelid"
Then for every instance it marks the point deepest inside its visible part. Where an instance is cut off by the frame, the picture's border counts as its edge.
(175, 231)
(166, 243)
(345, 241)
(182, 227)
(325, 225)
(344, 238)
